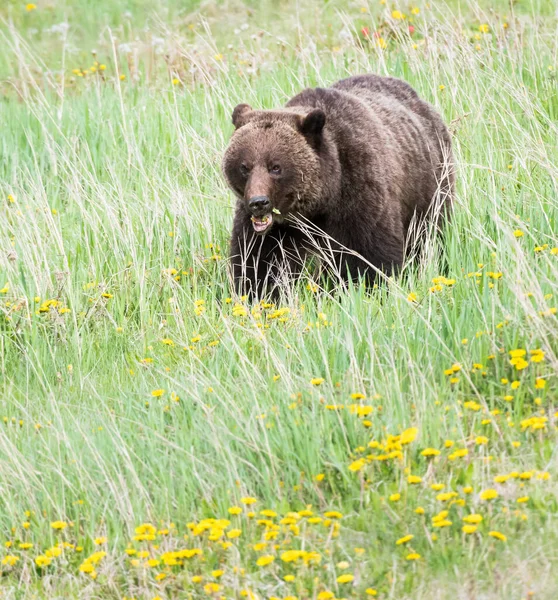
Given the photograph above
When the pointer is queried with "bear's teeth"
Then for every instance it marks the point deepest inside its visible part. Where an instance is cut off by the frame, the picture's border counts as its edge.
(261, 224)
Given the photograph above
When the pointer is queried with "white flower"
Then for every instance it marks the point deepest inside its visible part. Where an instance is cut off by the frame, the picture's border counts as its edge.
(61, 28)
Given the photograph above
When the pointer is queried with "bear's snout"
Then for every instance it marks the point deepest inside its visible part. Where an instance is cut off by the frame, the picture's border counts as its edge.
(259, 185)
(259, 205)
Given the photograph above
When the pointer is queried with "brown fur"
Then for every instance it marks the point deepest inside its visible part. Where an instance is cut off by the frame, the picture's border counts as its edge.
(356, 160)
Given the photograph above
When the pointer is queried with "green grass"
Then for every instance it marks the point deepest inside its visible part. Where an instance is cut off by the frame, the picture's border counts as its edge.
(112, 186)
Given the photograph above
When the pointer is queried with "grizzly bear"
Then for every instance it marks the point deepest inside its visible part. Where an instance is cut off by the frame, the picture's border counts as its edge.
(340, 172)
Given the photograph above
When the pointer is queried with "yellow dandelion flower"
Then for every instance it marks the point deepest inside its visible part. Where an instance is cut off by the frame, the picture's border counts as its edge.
(497, 535)
(458, 454)
(469, 528)
(263, 561)
(489, 494)
(291, 555)
(473, 519)
(86, 567)
(346, 578)
(441, 523)
(446, 496)
(537, 355)
(404, 539)
(413, 556)
(317, 380)
(408, 436)
(43, 561)
(234, 533)
(357, 465)
(430, 452)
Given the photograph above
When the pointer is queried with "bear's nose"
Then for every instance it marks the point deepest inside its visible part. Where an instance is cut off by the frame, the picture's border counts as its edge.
(259, 204)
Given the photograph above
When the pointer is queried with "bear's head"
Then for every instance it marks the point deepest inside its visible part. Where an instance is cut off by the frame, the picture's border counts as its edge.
(273, 163)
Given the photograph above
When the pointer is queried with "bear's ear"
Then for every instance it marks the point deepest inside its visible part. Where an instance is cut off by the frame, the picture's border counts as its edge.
(313, 123)
(239, 114)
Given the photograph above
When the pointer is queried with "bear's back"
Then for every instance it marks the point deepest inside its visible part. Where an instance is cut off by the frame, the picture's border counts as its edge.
(384, 133)
(364, 85)
(377, 92)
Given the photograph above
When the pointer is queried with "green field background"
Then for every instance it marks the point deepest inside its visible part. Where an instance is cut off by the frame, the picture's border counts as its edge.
(135, 388)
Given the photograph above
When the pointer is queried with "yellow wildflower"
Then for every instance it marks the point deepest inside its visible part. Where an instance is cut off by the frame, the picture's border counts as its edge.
(404, 539)
(469, 528)
(263, 561)
(489, 494)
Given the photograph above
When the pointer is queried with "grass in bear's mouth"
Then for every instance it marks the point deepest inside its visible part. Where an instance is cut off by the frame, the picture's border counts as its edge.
(261, 224)
(161, 437)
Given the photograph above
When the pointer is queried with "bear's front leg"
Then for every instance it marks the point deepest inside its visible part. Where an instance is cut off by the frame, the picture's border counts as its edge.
(263, 264)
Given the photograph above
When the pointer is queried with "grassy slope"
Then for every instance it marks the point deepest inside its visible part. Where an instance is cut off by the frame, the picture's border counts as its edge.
(102, 171)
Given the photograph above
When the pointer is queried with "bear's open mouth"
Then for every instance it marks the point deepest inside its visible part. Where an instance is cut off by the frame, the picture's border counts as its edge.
(260, 224)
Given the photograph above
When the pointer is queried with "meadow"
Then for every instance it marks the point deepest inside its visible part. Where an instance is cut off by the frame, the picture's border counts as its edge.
(161, 438)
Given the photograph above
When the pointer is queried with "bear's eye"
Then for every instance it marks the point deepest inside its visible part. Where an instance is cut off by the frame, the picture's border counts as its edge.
(244, 170)
(275, 170)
